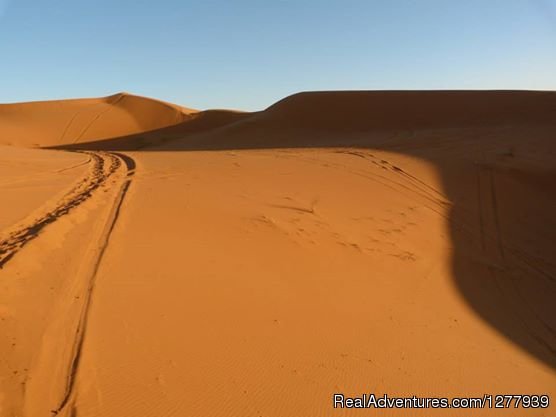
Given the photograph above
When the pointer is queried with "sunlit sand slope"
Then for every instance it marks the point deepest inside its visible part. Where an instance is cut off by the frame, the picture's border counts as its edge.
(254, 264)
(394, 243)
(276, 278)
(64, 122)
(29, 178)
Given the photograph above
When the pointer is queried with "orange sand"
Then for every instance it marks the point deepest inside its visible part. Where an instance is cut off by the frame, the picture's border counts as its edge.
(221, 263)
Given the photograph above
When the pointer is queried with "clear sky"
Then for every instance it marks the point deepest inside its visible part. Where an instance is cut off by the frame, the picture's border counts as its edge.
(248, 54)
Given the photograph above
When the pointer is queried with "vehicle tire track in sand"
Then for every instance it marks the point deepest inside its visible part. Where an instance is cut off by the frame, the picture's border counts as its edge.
(103, 166)
(89, 280)
(503, 269)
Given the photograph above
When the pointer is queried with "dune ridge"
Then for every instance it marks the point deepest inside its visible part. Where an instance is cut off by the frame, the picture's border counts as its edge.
(127, 122)
(333, 114)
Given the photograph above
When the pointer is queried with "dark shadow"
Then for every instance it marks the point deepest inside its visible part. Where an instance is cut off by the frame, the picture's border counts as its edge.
(495, 152)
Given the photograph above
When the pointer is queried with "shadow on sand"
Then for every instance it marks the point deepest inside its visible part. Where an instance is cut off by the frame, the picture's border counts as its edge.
(495, 153)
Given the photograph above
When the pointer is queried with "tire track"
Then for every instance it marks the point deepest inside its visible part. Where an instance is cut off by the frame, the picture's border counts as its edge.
(495, 211)
(505, 269)
(89, 279)
(104, 165)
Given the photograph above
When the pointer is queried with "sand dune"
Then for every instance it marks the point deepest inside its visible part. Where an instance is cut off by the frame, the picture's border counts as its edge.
(363, 110)
(195, 123)
(63, 122)
(253, 264)
(361, 114)
(362, 118)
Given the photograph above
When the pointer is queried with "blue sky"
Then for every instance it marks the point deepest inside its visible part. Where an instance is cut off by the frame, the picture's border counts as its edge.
(249, 54)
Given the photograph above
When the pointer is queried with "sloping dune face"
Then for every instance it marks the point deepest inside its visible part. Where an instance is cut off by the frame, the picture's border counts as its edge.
(194, 124)
(362, 117)
(248, 264)
(364, 110)
(65, 122)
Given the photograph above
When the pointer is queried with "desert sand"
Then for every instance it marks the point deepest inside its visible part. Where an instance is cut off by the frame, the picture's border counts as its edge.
(163, 261)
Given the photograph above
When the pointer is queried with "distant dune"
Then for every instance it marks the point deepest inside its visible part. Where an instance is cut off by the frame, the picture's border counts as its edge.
(127, 122)
(65, 122)
(342, 118)
(364, 110)
(163, 261)
(346, 112)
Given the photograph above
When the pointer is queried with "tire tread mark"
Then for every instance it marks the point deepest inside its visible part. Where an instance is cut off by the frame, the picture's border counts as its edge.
(17, 239)
(79, 336)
